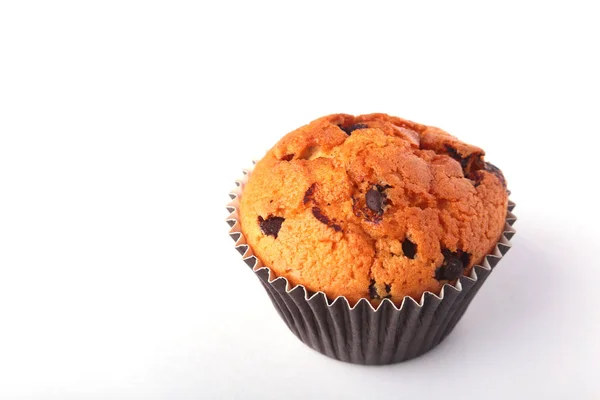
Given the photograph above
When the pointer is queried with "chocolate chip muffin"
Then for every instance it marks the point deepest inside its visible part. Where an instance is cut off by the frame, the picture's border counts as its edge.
(373, 207)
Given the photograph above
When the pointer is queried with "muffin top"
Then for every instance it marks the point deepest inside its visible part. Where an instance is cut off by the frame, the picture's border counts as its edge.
(373, 207)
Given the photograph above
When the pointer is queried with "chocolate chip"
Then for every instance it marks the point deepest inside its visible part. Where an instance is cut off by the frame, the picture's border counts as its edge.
(288, 157)
(464, 257)
(388, 288)
(453, 269)
(409, 249)
(318, 214)
(374, 200)
(352, 128)
(309, 193)
(372, 207)
(373, 290)
(440, 273)
(271, 225)
(453, 266)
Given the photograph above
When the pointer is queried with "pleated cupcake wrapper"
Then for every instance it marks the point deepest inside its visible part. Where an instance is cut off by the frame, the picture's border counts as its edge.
(363, 334)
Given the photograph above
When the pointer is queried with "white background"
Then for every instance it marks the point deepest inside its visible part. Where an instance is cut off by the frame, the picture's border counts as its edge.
(124, 124)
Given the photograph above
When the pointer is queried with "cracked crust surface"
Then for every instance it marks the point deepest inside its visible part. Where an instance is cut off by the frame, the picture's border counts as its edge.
(372, 207)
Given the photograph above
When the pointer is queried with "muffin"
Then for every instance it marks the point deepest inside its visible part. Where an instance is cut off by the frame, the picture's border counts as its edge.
(372, 207)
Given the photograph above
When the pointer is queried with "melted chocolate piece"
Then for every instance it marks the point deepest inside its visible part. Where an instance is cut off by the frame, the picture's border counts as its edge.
(309, 193)
(453, 266)
(374, 200)
(271, 225)
(318, 214)
(352, 128)
(372, 207)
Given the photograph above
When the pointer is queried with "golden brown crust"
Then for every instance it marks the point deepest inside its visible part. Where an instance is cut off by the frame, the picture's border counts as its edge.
(372, 206)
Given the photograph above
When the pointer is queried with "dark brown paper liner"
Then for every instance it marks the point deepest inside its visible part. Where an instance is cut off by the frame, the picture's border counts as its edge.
(363, 334)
